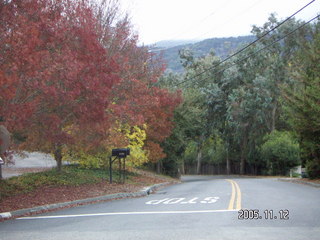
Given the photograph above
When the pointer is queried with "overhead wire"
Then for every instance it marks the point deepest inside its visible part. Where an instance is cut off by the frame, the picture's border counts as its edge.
(247, 46)
(186, 29)
(262, 49)
(230, 19)
(199, 37)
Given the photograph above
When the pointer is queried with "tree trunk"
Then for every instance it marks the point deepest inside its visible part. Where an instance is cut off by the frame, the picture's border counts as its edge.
(242, 163)
(199, 157)
(159, 167)
(228, 161)
(243, 154)
(0, 172)
(273, 118)
(199, 153)
(58, 157)
(183, 168)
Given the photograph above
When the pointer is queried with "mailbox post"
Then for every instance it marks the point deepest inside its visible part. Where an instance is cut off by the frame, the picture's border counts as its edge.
(119, 153)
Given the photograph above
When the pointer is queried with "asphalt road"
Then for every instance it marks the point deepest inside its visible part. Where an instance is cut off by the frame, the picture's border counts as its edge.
(201, 207)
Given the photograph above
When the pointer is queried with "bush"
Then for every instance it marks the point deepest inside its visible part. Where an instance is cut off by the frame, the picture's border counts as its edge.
(313, 168)
(87, 160)
(280, 152)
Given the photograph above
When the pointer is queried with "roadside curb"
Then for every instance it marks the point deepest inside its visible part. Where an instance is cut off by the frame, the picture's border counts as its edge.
(293, 180)
(144, 192)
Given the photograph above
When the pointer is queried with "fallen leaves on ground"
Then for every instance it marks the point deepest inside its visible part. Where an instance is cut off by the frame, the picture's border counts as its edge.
(50, 195)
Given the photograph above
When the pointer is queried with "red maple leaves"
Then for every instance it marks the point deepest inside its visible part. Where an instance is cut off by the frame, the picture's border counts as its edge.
(61, 65)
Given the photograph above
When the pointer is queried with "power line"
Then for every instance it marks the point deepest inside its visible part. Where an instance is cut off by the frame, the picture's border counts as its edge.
(229, 20)
(187, 29)
(249, 45)
(199, 37)
(260, 50)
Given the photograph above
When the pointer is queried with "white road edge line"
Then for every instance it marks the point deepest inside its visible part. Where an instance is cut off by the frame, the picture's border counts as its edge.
(127, 213)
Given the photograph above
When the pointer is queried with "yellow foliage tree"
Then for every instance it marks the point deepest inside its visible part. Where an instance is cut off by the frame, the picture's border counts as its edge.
(136, 136)
(121, 135)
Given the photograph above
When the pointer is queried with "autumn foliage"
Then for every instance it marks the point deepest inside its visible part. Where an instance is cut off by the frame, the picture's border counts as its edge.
(71, 73)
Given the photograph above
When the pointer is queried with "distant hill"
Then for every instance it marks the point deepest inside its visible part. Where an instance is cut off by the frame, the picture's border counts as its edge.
(171, 43)
(221, 46)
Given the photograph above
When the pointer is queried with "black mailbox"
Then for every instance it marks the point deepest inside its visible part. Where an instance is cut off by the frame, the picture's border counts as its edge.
(120, 152)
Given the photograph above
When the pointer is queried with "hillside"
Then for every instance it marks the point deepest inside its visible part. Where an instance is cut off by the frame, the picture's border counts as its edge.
(171, 43)
(221, 46)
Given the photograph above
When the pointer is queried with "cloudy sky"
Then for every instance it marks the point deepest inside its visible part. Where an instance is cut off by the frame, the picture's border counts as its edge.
(157, 20)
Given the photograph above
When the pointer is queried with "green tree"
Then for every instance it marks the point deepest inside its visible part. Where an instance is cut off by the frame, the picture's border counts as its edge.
(276, 60)
(303, 99)
(197, 82)
(237, 103)
(280, 152)
(188, 122)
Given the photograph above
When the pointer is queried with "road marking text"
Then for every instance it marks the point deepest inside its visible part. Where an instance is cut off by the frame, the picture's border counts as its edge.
(183, 201)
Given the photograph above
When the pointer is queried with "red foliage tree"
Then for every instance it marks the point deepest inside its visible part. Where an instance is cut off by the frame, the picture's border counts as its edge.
(136, 99)
(55, 73)
(139, 102)
(63, 62)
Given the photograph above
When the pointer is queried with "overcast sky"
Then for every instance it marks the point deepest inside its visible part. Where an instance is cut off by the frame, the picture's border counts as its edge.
(157, 20)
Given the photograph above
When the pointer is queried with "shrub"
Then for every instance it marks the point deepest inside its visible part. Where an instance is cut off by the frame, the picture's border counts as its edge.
(280, 152)
(87, 160)
(313, 168)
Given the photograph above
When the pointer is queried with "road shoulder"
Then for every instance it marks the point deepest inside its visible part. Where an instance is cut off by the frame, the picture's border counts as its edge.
(300, 181)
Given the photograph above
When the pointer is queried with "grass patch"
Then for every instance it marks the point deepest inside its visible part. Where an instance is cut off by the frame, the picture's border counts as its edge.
(69, 176)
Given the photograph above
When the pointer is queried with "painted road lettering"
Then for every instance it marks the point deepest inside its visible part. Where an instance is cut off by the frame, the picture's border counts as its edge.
(173, 200)
(194, 200)
(210, 200)
(155, 202)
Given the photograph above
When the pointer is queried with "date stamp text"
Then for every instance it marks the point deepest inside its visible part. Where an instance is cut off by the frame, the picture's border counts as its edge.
(268, 214)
